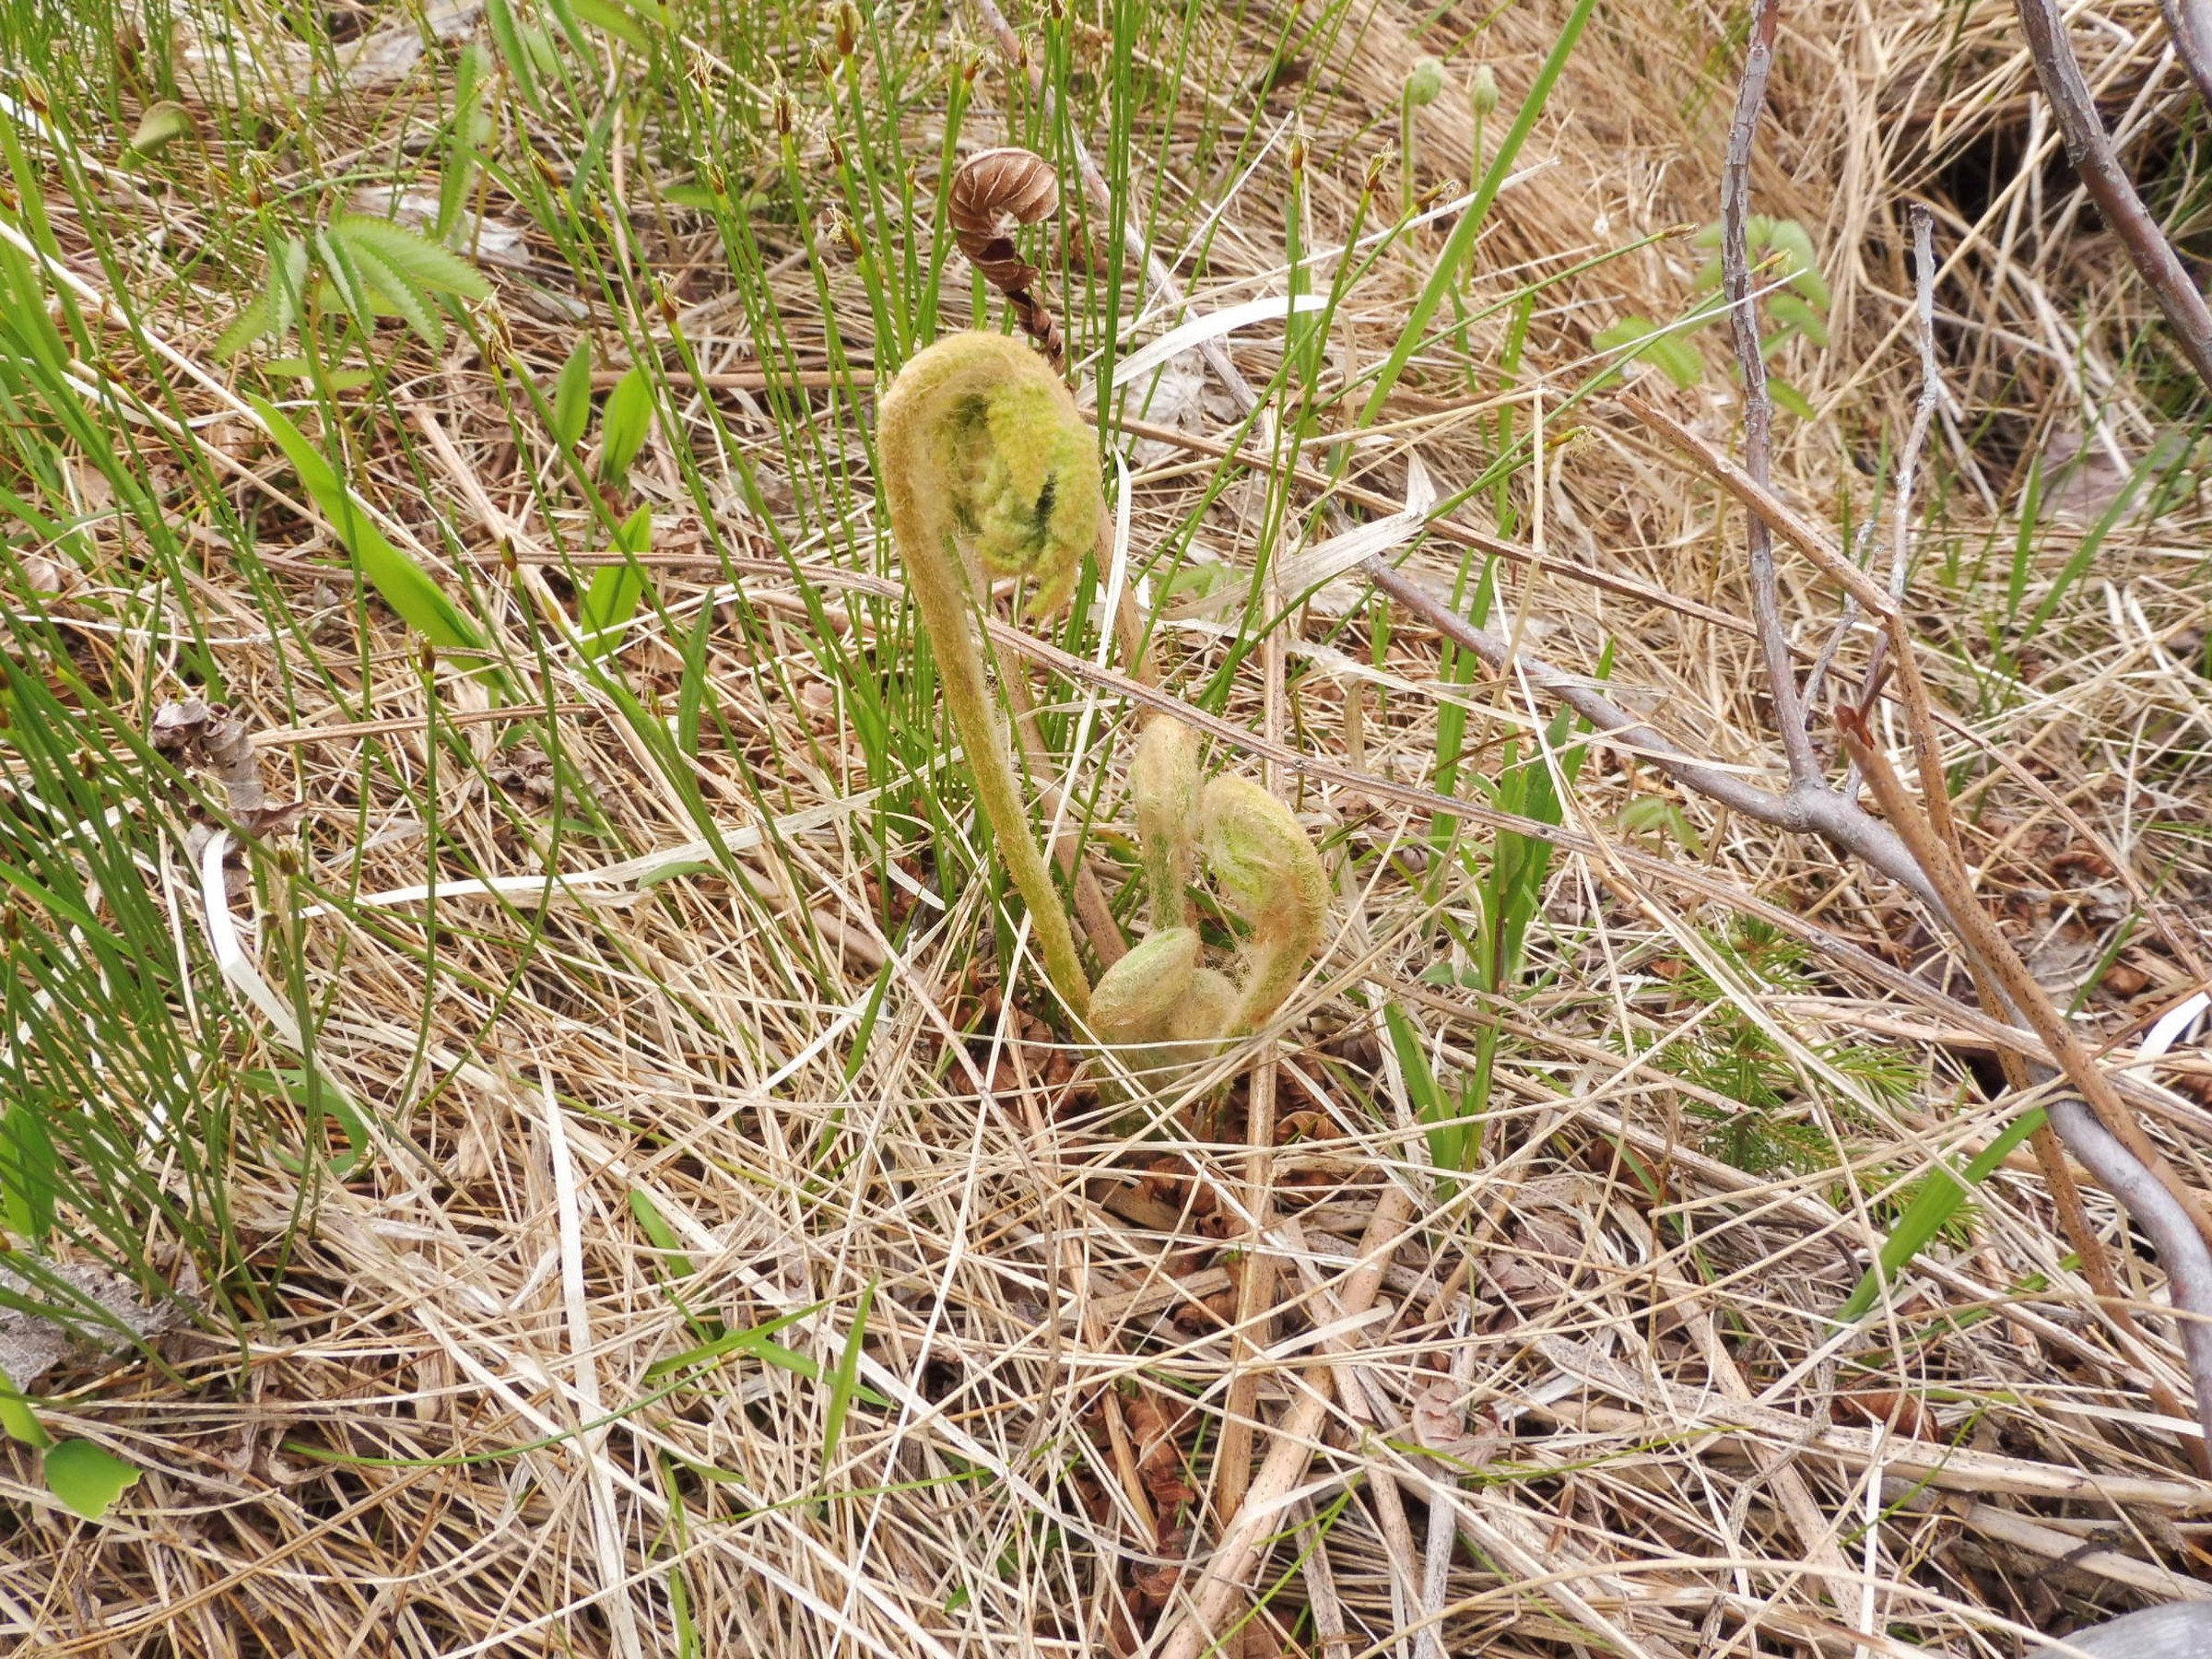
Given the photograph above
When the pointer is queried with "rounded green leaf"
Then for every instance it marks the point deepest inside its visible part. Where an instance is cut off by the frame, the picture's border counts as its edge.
(572, 395)
(162, 124)
(623, 427)
(88, 1478)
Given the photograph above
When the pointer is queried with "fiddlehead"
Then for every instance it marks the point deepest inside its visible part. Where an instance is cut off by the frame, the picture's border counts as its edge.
(983, 453)
(1138, 996)
(1008, 183)
(1163, 781)
(1271, 876)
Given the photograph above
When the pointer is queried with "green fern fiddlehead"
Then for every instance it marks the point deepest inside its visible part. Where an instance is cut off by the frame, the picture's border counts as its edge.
(985, 457)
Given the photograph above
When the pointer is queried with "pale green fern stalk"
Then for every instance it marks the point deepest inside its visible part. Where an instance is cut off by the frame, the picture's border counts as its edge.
(985, 457)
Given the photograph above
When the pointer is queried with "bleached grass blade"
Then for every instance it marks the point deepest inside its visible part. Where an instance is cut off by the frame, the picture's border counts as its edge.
(1212, 326)
(606, 1526)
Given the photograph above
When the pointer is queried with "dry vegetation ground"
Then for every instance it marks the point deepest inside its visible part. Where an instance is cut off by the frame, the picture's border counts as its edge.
(731, 1046)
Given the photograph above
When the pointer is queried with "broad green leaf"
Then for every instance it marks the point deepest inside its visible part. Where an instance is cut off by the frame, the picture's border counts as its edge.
(1795, 243)
(537, 41)
(615, 21)
(422, 262)
(753, 1339)
(655, 1226)
(163, 124)
(623, 426)
(403, 583)
(1676, 357)
(1789, 309)
(1452, 1145)
(30, 1173)
(17, 1421)
(1656, 817)
(612, 599)
(702, 198)
(1788, 397)
(1925, 1216)
(1626, 332)
(86, 1478)
(572, 395)
(472, 70)
(501, 16)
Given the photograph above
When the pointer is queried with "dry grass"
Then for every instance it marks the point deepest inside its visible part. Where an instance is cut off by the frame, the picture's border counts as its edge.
(1605, 1361)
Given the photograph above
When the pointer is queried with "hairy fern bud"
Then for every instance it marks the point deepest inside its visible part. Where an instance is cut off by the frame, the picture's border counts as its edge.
(1163, 779)
(1137, 995)
(1201, 1019)
(1272, 877)
(983, 451)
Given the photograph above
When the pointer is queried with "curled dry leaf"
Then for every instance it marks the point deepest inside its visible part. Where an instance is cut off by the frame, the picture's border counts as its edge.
(1158, 1458)
(209, 737)
(989, 188)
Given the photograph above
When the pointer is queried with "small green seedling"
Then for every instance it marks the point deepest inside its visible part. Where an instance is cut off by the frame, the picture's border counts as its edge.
(1781, 252)
(359, 270)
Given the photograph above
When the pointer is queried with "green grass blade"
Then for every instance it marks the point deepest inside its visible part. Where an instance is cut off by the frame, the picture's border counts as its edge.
(845, 1381)
(1928, 1213)
(402, 583)
(1461, 242)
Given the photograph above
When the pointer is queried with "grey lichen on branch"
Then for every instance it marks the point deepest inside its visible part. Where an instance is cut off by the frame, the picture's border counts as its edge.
(986, 465)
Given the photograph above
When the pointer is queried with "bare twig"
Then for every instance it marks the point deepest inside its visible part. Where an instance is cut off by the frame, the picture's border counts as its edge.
(2104, 1134)
(1924, 409)
(2188, 22)
(1758, 405)
(2090, 147)
(1814, 808)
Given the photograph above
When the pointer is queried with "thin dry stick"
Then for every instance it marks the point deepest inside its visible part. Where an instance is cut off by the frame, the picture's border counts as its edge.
(1923, 414)
(1260, 1515)
(2065, 1195)
(2106, 1137)
(2188, 22)
(1758, 405)
(1444, 1524)
(2090, 147)
(1255, 1284)
(2013, 981)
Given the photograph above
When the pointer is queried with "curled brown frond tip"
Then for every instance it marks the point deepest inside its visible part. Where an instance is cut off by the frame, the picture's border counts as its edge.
(990, 188)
